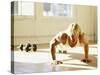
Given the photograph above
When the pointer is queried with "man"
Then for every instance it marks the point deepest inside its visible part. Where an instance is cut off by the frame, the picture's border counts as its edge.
(70, 37)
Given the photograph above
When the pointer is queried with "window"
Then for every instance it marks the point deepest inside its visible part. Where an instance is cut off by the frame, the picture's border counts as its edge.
(22, 8)
(53, 9)
(14, 8)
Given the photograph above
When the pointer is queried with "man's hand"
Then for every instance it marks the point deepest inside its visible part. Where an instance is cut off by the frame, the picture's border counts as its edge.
(83, 39)
(55, 62)
(86, 60)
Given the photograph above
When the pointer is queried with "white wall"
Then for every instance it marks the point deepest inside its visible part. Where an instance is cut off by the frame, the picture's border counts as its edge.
(40, 29)
(86, 17)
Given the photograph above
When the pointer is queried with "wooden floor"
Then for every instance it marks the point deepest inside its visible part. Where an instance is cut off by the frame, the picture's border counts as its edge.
(40, 61)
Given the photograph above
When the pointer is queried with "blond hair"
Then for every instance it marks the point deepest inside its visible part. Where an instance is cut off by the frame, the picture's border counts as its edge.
(77, 30)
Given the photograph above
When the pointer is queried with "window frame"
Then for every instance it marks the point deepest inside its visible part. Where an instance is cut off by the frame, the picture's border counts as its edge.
(69, 15)
(16, 8)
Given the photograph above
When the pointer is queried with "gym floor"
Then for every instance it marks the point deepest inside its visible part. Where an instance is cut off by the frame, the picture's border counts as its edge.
(40, 61)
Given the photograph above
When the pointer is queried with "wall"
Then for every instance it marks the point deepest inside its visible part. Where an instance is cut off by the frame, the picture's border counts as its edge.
(40, 29)
(86, 16)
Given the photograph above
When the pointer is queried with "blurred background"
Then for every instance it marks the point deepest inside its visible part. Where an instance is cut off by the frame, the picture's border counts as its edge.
(38, 23)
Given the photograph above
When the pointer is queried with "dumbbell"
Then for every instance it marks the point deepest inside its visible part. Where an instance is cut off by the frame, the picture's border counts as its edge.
(21, 47)
(28, 47)
(34, 47)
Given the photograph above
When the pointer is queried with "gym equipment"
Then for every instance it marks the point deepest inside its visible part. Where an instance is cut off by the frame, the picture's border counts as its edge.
(28, 47)
(34, 47)
(21, 47)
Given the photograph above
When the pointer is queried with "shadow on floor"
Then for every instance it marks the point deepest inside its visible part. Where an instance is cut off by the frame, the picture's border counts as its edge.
(79, 56)
(24, 68)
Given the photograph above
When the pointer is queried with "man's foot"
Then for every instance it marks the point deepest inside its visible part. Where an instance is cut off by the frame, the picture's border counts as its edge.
(86, 60)
(60, 51)
(65, 52)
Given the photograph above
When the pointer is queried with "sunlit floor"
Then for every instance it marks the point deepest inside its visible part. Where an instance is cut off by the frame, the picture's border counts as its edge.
(40, 61)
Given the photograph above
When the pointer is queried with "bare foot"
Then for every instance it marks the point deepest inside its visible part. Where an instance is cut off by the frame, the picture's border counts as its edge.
(65, 52)
(60, 51)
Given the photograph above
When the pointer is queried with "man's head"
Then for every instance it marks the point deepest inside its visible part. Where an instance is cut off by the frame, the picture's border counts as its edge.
(76, 29)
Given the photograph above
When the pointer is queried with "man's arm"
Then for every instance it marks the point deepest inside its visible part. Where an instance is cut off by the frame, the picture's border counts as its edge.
(84, 40)
(53, 49)
(53, 52)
